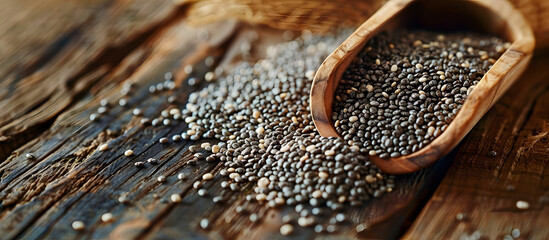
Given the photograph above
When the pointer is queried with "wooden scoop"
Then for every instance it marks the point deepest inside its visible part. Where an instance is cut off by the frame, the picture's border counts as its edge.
(488, 16)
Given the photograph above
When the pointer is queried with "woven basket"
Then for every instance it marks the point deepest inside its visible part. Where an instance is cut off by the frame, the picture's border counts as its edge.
(325, 15)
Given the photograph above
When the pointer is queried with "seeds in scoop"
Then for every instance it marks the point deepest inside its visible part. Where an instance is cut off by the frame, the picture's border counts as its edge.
(128, 153)
(107, 217)
(286, 229)
(400, 109)
(263, 182)
(353, 119)
(78, 225)
(256, 114)
(329, 152)
(323, 175)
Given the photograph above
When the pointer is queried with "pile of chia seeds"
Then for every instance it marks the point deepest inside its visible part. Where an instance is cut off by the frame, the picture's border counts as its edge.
(260, 114)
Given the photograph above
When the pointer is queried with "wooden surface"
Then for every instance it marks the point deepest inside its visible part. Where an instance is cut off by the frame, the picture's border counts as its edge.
(59, 59)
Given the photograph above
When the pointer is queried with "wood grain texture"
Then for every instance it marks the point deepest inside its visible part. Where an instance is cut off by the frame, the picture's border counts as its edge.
(75, 43)
(138, 41)
(486, 188)
(500, 18)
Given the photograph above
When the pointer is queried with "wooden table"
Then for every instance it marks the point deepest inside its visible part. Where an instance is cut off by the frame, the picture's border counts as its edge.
(58, 59)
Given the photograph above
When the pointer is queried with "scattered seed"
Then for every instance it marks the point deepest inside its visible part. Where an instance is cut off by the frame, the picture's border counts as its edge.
(103, 147)
(515, 233)
(94, 117)
(104, 102)
(216, 148)
(218, 199)
(152, 161)
(161, 178)
(305, 221)
(253, 217)
(107, 217)
(128, 153)
(209, 77)
(361, 227)
(176, 138)
(122, 102)
(139, 164)
(102, 110)
(78, 225)
(181, 176)
(207, 176)
(202, 192)
(286, 229)
(522, 205)
(30, 156)
(123, 199)
(204, 223)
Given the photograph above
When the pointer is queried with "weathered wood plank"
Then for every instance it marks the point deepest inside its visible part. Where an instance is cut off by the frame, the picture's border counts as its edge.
(49, 61)
(486, 188)
(60, 179)
(71, 181)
